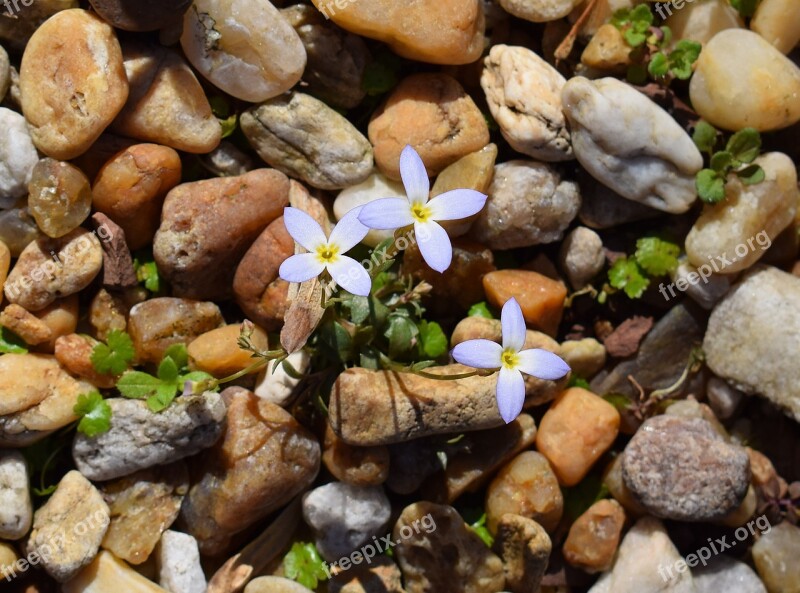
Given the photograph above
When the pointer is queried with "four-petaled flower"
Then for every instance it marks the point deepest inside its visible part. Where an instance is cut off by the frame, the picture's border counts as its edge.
(512, 361)
(326, 253)
(394, 213)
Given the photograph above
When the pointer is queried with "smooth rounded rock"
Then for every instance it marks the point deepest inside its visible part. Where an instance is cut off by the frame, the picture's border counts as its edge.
(594, 536)
(773, 556)
(217, 351)
(539, 11)
(540, 298)
(778, 21)
(700, 21)
(5, 73)
(60, 197)
(582, 256)
(18, 157)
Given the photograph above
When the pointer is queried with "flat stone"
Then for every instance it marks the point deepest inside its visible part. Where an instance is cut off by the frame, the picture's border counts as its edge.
(359, 466)
(16, 509)
(179, 564)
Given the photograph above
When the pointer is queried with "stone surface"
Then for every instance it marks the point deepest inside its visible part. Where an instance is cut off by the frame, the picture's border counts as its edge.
(108, 573)
(227, 160)
(585, 357)
(345, 517)
(773, 556)
(528, 487)
(594, 536)
(603, 208)
(179, 569)
(359, 466)
(776, 22)
(680, 468)
(470, 568)
(207, 227)
(447, 32)
(262, 461)
(5, 73)
(68, 529)
(16, 32)
(16, 509)
(529, 204)
(724, 573)
(582, 256)
(433, 114)
(575, 431)
(119, 272)
(8, 558)
(304, 138)
(275, 585)
(630, 144)
(72, 82)
(524, 96)
(157, 324)
(700, 21)
(539, 11)
(26, 325)
(751, 330)
(60, 197)
(723, 399)
(5, 261)
(277, 385)
(607, 50)
(375, 187)
(166, 105)
(380, 576)
(738, 59)
(140, 15)
(17, 156)
(706, 293)
(139, 439)
(741, 228)
(217, 351)
(246, 48)
(540, 298)
(525, 548)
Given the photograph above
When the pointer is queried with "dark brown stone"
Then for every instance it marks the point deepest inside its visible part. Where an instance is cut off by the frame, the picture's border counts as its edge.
(140, 15)
(118, 271)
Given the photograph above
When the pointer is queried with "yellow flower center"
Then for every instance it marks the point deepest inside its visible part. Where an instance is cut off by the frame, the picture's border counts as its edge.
(420, 212)
(509, 358)
(327, 254)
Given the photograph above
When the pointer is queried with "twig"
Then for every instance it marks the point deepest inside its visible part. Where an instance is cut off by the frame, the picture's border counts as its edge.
(565, 47)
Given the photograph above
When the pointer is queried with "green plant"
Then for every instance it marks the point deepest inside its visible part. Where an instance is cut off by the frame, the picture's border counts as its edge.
(303, 564)
(653, 257)
(740, 151)
(115, 355)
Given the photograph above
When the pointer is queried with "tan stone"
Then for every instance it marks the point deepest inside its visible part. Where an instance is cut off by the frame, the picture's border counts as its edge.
(778, 21)
(74, 353)
(217, 352)
(541, 298)
(108, 312)
(612, 478)
(61, 318)
(109, 573)
(525, 548)
(5, 262)
(700, 21)
(8, 556)
(360, 466)
(26, 325)
(594, 537)
(774, 555)
(607, 50)
(585, 357)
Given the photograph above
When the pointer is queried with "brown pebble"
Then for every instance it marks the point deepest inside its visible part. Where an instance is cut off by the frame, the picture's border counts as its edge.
(624, 341)
(118, 271)
(594, 537)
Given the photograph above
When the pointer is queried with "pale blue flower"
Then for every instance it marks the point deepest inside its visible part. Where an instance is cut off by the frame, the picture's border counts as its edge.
(395, 213)
(512, 361)
(326, 253)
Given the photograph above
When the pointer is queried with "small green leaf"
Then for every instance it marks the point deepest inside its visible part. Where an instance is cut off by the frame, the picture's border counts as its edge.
(641, 16)
(667, 38)
(745, 145)
(746, 8)
(576, 381)
(479, 527)
(621, 17)
(147, 271)
(138, 385)
(683, 57)
(11, 343)
(95, 414)
(432, 339)
(751, 174)
(722, 161)
(337, 338)
(658, 66)
(626, 275)
(634, 38)
(115, 356)
(705, 136)
(179, 353)
(400, 332)
(164, 395)
(229, 125)
(359, 309)
(168, 370)
(481, 310)
(304, 565)
(656, 256)
(195, 377)
(710, 186)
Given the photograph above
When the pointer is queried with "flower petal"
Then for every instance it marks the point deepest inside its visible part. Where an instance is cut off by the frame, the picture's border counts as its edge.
(349, 231)
(386, 213)
(479, 354)
(434, 245)
(415, 177)
(303, 229)
(510, 394)
(300, 268)
(513, 325)
(542, 364)
(457, 204)
(350, 275)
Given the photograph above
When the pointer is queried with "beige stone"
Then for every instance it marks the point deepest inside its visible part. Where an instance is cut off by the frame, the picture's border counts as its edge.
(607, 50)
(700, 21)
(525, 548)
(778, 21)
(217, 352)
(594, 536)
(109, 573)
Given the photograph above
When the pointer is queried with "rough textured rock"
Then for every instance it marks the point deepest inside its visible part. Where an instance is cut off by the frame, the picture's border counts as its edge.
(594, 536)
(680, 468)
(140, 15)
(139, 439)
(380, 576)
(585, 357)
(607, 50)
(525, 548)
(582, 257)
(16, 509)
(179, 569)
(360, 466)
(630, 144)
(18, 156)
(539, 11)
(724, 573)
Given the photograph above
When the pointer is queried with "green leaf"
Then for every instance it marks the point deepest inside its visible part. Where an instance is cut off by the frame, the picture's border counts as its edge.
(337, 338)
(165, 394)
(147, 271)
(401, 333)
(665, 41)
(621, 17)
(481, 310)
(304, 565)
(722, 161)
(229, 125)
(656, 256)
(746, 8)
(194, 376)
(705, 136)
(751, 175)
(580, 497)
(11, 343)
(138, 385)
(479, 527)
(641, 16)
(626, 275)
(432, 339)
(634, 38)
(745, 145)
(115, 356)
(659, 65)
(168, 370)
(683, 57)
(576, 381)
(179, 353)
(710, 186)
(359, 309)
(95, 414)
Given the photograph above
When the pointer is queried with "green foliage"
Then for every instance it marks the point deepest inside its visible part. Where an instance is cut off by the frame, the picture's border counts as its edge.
(740, 151)
(677, 64)
(746, 8)
(710, 186)
(115, 356)
(657, 256)
(480, 529)
(576, 381)
(222, 111)
(147, 271)
(634, 24)
(11, 343)
(433, 341)
(381, 74)
(94, 412)
(705, 137)
(481, 310)
(626, 275)
(304, 565)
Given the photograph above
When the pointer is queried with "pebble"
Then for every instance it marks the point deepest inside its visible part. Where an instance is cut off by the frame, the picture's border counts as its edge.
(539, 11)
(740, 67)
(612, 478)
(72, 81)
(526, 486)
(345, 517)
(16, 509)
(594, 536)
(109, 311)
(774, 555)
(259, 291)
(447, 32)
(582, 256)
(246, 48)
(5, 262)
(217, 351)
(607, 50)
(423, 531)
(49, 269)
(680, 468)
(304, 138)
(277, 385)
(144, 15)
(17, 157)
(8, 558)
(158, 323)
(142, 507)
(577, 429)
(68, 529)
(540, 298)
(179, 568)
(26, 325)
(227, 160)
(108, 573)
(264, 459)
(412, 462)
(275, 585)
(359, 466)
(60, 197)
(433, 114)
(749, 332)
(700, 21)
(380, 576)
(139, 439)
(776, 22)
(724, 573)
(723, 399)
(691, 408)
(630, 144)
(166, 105)
(525, 548)
(748, 220)
(706, 293)
(337, 59)
(5, 73)
(529, 204)
(585, 357)
(524, 96)
(207, 227)
(602, 208)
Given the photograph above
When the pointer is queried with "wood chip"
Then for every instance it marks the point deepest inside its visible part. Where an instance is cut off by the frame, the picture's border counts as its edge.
(624, 341)
(118, 270)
